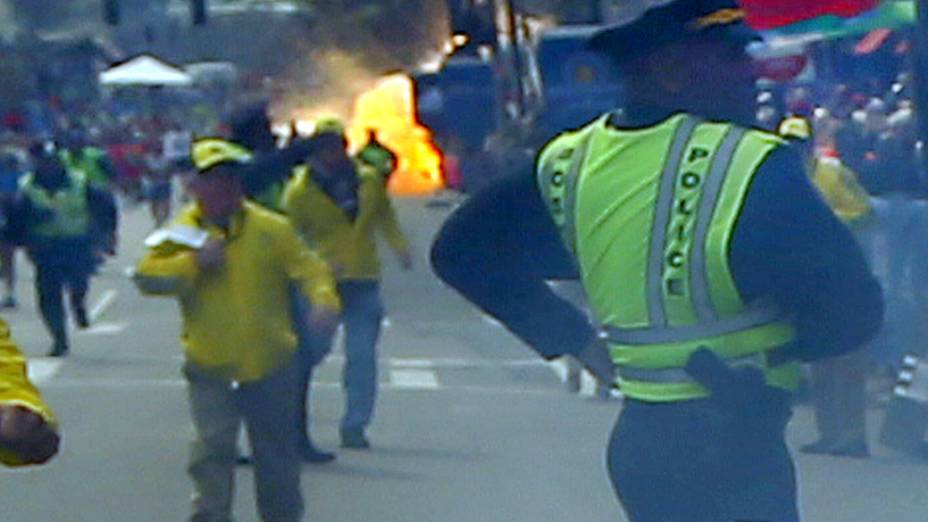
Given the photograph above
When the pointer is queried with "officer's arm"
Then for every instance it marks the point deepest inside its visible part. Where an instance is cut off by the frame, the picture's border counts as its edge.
(308, 270)
(497, 250)
(17, 228)
(789, 247)
(33, 440)
(102, 206)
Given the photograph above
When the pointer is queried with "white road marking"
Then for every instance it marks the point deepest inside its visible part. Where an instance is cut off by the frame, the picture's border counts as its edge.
(491, 321)
(414, 379)
(559, 367)
(105, 302)
(587, 384)
(43, 369)
(104, 329)
(129, 271)
(122, 384)
(448, 362)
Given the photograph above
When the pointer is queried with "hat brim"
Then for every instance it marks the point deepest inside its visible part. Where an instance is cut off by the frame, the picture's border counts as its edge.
(663, 26)
(232, 168)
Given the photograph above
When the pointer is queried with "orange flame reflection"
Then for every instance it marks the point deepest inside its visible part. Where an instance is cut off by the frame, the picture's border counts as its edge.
(389, 110)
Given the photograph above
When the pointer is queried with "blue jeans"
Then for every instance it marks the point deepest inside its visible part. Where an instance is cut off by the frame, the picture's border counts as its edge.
(362, 313)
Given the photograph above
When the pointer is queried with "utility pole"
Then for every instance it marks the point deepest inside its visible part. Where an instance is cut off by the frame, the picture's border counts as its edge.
(518, 68)
(920, 67)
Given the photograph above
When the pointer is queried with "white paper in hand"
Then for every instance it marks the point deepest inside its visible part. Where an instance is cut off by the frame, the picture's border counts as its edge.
(183, 235)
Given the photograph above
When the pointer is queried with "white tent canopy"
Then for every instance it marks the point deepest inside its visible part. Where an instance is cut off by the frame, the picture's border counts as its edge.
(145, 70)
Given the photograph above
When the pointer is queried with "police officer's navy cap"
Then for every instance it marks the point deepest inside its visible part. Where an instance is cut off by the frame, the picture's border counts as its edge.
(675, 22)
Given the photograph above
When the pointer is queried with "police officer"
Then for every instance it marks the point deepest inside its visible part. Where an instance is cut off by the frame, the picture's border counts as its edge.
(65, 223)
(94, 162)
(707, 257)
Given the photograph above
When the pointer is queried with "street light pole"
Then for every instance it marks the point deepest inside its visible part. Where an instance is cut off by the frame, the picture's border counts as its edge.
(920, 66)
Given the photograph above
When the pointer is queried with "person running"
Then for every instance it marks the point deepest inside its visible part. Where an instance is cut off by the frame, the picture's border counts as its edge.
(65, 224)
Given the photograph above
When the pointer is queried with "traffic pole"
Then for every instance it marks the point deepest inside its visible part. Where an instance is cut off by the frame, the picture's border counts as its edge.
(920, 71)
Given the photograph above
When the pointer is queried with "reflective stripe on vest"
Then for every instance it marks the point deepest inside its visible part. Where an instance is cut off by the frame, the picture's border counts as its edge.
(649, 215)
(70, 214)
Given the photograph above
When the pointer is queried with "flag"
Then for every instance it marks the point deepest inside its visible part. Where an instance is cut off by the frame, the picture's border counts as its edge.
(771, 14)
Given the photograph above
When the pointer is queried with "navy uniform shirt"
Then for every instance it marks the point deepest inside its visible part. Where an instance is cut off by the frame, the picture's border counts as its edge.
(501, 245)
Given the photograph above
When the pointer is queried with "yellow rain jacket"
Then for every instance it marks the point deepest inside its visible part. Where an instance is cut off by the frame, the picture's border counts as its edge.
(15, 388)
(237, 322)
(841, 190)
(349, 246)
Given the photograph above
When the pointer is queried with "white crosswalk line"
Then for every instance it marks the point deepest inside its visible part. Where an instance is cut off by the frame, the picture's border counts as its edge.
(414, 379)
(42, 370)
(100, 308)
(104, 329)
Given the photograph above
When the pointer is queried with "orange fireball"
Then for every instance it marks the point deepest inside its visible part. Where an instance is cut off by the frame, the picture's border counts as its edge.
(388, 109)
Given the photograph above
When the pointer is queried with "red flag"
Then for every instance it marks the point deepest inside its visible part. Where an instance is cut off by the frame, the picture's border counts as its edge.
(770, 14)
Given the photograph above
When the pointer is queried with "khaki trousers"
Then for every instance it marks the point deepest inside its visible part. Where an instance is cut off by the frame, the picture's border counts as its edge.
(269, 410)
(839, 395)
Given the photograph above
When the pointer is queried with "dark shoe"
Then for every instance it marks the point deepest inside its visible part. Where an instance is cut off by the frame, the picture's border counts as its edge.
(59, 349)
(850, 449)
(819, 447)
(80, 317)
(355, 439)
(8, 302)
(854, 450)
(313, 455)
(244, 460)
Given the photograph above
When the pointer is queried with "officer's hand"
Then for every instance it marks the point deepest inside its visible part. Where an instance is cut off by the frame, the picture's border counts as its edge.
(595, 358)
(27, 435)
(322, 320)
(212, 256)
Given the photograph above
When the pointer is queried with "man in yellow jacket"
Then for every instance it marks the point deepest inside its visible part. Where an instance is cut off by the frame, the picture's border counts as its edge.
(230, 264)
(338, 206)
(28, 433)
(837, 184)
(839, 384)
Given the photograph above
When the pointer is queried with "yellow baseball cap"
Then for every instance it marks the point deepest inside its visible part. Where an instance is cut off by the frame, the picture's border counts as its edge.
(210, 152)
(329, 125)
(796, 128)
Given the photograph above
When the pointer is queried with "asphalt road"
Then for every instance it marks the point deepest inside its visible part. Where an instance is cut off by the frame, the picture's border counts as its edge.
(470, 426)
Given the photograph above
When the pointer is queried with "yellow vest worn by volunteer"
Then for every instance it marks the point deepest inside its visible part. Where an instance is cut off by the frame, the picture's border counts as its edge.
(68, 208)
(15, 388)
(649, 215)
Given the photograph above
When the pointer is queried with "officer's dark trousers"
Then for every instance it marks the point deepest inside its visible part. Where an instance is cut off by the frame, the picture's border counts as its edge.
(50, 284)
(694, 462)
